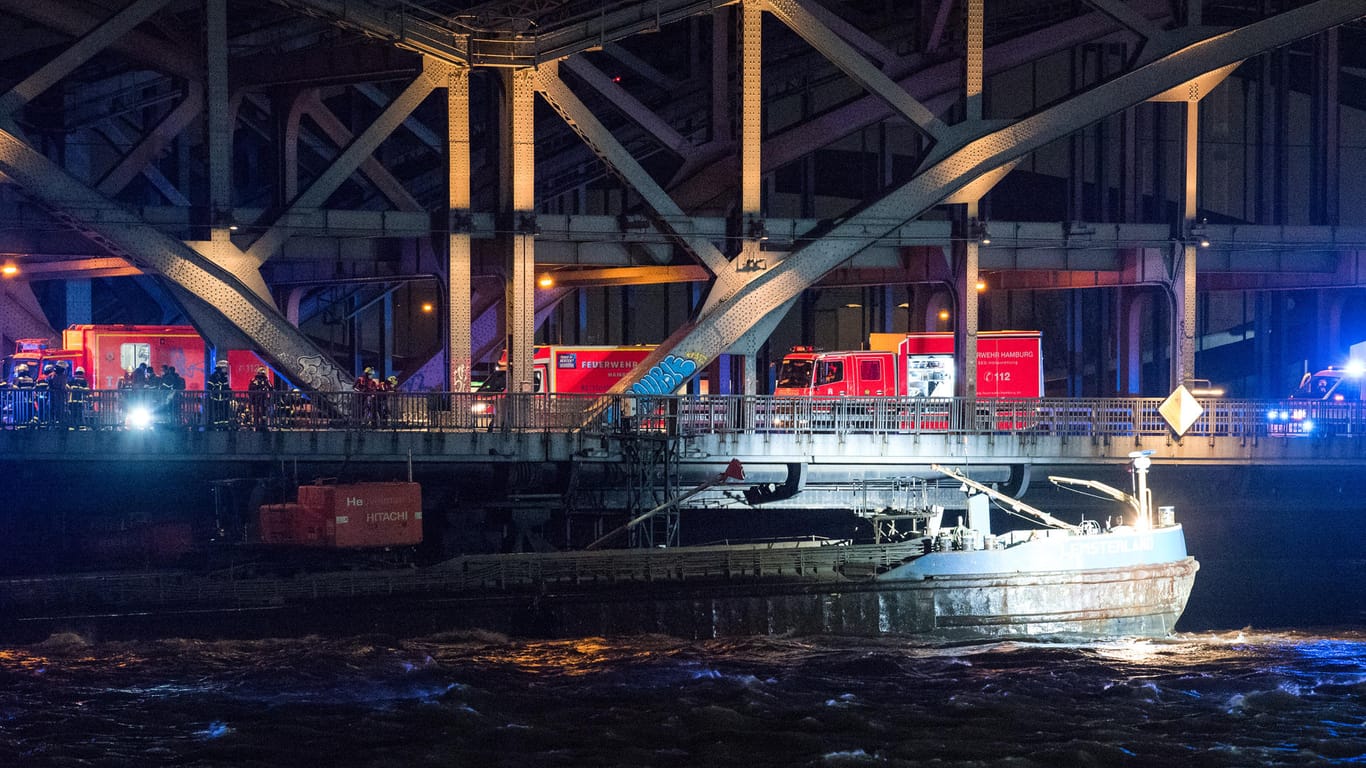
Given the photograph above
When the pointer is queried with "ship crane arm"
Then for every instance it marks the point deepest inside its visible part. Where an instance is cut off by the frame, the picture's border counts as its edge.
(1108, 490)
(1009, 501)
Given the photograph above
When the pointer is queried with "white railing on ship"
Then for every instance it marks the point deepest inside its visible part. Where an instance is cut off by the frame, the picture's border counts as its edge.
(22, 409)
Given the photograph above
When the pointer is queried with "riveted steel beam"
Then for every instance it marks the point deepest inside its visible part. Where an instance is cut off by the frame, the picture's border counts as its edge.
(350, 159)
(709, 335)
(628, 104)
(77, 54)
(220, 116)
(122, 235)
(519, 193)
(414, 28)
(852, 62)
(460, 290)
(668, 216)
(138, 159)
(179, 58)
(380, 176)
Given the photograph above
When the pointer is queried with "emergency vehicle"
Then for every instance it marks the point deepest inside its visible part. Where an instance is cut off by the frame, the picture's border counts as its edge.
(564, 369)
(559, 369)
(1322, 401)
(106, 351)
(1009, 365)
(919, 368)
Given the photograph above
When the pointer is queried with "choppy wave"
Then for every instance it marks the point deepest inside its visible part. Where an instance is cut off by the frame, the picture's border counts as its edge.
(1243, 698)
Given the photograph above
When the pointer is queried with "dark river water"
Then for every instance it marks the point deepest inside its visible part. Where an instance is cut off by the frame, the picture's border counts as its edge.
(1238, 698)
(1268, 668)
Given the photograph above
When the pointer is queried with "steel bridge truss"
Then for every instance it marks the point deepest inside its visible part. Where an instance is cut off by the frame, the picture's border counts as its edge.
(749, 288)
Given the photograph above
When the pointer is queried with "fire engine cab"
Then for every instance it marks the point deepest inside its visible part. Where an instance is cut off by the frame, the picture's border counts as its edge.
(1009, 365)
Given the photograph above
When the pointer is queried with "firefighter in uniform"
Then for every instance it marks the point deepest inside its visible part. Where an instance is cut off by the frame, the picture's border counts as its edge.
(219, 393)
(259, 397)
(365, 388)
(79, 387)
(58, 390)
(387, 389)
(42, 413)
(171, 384)
(23, 398)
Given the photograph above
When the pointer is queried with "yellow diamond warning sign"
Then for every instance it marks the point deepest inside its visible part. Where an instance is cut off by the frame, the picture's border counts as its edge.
(1180, 410)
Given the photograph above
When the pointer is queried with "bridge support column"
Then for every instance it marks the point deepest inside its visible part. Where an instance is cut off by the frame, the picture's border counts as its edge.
(519, 190)
(1135, 307)
(1183, 277)
(219, 118)
(459, 344)
(965, 323)
(78, 305)
(751, 130)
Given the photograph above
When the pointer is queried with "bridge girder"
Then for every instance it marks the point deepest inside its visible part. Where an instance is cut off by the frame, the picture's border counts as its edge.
(988, 148)
(763, 293)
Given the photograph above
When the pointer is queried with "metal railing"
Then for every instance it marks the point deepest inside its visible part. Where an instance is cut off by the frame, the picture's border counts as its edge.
(682, 415)
(467, 574)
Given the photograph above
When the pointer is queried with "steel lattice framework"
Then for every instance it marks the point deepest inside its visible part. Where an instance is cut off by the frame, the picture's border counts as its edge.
(533, 39)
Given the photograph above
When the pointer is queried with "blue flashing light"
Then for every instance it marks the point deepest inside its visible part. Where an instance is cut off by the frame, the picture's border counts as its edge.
(1272, 414)
(1355, 368)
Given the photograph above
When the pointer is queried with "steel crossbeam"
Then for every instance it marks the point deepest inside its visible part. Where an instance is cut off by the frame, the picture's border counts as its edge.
(668, 216)
(712, 333)
(351, 158)
(121, 234)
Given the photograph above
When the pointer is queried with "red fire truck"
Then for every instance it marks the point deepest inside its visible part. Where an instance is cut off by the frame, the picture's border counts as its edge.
(919, 367)
(106, 351)
(563, 369)
(1009, 364)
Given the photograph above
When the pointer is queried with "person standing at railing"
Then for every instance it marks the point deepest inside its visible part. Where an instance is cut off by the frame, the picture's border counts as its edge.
(364, 387)
(172, 384)
(42, 408)
(23, 399)
(219, 394)
(58, 391)
(388, 392)
(259, 390)
(80, 389)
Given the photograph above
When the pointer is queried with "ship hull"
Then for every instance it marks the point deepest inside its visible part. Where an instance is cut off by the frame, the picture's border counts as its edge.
(1111, 585)
(1116, 602)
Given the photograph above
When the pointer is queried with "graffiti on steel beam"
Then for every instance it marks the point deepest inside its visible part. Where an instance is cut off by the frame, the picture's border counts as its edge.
(313, 372)
(665, 376)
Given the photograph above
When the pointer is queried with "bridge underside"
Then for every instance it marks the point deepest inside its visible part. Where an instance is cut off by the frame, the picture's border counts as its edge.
(297, 167)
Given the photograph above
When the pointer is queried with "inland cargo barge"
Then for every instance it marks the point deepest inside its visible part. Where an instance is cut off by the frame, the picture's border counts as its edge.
(1111, 576)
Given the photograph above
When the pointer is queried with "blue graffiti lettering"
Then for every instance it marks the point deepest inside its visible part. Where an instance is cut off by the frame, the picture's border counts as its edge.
(665, 377)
